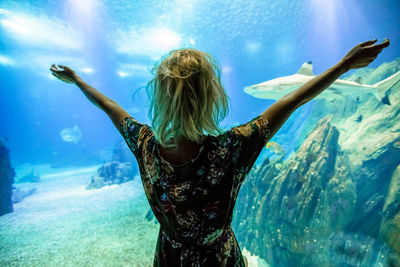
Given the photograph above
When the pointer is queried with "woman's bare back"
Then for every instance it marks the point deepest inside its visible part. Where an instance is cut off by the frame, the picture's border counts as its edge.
(182, 153)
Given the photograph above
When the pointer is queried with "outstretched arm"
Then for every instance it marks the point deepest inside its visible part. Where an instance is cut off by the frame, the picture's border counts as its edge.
(358, 57)
(109, 106)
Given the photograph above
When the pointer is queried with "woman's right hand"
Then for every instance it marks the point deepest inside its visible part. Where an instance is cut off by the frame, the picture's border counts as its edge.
(363, 54)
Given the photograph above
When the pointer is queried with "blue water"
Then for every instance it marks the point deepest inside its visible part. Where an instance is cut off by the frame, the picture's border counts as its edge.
(112, 45)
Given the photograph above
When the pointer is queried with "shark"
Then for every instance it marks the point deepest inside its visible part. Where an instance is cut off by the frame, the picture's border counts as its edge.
(279, 87)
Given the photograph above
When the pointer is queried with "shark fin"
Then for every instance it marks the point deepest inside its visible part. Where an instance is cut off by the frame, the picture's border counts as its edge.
(306, 69)
(384, 87)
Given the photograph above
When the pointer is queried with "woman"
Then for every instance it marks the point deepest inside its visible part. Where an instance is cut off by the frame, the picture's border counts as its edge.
(192, 180)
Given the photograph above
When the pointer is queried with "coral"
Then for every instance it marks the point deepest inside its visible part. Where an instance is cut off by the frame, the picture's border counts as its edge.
(112, 172)
(317, 207)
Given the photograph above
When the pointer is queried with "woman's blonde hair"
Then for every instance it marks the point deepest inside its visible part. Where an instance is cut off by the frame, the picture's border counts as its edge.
(186, 96)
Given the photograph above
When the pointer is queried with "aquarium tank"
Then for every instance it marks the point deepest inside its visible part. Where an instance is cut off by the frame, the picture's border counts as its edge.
(325, 190)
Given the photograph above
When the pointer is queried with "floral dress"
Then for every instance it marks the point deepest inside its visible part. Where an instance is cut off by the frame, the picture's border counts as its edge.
(193, 202)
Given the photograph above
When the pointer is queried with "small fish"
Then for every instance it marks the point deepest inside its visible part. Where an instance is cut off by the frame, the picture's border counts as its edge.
(277, 148)
(71, 134)
(396, 144)
(149, 216)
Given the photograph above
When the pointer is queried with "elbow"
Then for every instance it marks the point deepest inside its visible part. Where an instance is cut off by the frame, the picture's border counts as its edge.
(107, 105)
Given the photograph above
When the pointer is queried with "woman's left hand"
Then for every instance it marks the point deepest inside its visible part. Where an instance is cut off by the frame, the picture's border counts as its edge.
(64, 73)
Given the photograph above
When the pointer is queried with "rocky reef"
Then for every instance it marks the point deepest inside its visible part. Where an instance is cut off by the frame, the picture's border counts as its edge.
(336, 200)
(389, 226)
(120, 169)
(112, 172)
(7, 175)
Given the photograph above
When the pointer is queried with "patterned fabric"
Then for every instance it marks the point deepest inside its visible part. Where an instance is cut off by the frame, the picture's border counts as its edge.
(193, 202)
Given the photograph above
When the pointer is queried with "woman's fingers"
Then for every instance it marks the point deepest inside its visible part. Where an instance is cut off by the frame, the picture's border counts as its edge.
(364, 53)
(382, 45)
(368, 43)
(54, 68)
(375, 50)
(56, 71)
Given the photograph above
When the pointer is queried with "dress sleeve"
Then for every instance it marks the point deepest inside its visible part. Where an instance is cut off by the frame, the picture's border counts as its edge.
(249, 139)
(130, 130)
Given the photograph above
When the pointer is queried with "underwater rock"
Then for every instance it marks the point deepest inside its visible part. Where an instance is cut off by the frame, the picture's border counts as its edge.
(7, 175)
(335, 200)
(29, 178)
(316, 208)
(113, 172)
(373, 184)
(18, 194)
(293, 203)
(390, 226)
(96, 182)
(122, 168)
(254, 260)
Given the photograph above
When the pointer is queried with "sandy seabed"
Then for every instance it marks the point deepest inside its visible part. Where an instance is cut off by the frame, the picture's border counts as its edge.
(63, 224)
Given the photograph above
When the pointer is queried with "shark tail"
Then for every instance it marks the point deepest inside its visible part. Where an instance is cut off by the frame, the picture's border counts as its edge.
(384, 87)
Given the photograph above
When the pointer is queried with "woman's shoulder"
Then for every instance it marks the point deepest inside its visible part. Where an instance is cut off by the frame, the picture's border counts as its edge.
(223, 139)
